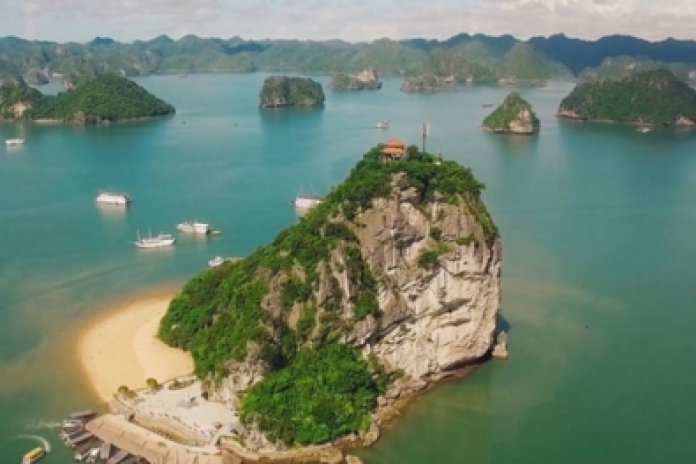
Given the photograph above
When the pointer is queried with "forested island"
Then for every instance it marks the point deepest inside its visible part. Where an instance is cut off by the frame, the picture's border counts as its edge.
(105, 99)
(388, 286)
(513, 116)
(653, 97)
(284, 91)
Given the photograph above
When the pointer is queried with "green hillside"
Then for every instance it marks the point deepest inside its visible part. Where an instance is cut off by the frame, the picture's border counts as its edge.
(650, 97)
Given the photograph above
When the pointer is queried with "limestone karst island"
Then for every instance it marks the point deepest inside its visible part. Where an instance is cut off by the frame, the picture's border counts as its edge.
(310, 345)
(513, 116)
(647, 98)
(286, 92)
(366, 79)
(104, 99)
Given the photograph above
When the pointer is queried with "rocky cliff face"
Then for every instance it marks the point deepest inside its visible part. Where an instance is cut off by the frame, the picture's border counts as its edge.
(436, 317)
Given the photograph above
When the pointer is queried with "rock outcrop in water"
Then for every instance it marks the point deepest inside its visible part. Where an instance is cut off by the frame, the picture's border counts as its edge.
(366, 79)
(400, 266)
(284, 91)
(513, 116)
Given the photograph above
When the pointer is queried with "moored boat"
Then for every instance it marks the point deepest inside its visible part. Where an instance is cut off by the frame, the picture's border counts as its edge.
(113, 198)
(193, 227)
(158, 241)
(14, 142)
(34, 455)
(215, 262)
(306, 201)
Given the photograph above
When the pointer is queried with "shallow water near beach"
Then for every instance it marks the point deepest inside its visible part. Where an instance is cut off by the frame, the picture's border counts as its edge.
(597, 224)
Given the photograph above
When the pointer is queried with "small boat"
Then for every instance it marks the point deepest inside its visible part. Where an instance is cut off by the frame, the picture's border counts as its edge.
(113, 198)
(158, 241)
(306, 201)
(382, 125)
(215, 232)
(644, 129)
(487, 105)
(14, 142)
(215, 262)
(194, 227)
(34, 455)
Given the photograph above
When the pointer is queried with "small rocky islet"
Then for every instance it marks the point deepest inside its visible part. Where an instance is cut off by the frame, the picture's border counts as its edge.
(366, 79)
(513, 116)
(291, 92)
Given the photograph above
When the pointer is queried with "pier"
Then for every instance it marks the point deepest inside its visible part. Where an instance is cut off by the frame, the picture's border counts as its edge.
(135, 440)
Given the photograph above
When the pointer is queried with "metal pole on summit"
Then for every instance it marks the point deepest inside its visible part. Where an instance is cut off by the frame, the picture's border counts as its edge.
(425, 131)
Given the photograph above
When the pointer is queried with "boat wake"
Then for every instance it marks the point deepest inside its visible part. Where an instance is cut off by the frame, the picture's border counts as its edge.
(42, 440)
(44, 425)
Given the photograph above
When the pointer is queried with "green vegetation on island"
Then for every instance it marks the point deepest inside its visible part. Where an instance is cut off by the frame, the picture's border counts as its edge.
(106, 98)
(282, 307)
(624, 66)
(284, 91)
(366, 79)
(514, 115)
(654, 97)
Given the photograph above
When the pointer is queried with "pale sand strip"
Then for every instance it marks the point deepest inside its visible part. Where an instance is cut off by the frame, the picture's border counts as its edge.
(119, 347)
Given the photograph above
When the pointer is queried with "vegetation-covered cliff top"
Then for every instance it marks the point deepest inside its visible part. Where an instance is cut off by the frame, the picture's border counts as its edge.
(282, 306)
(513, 115)
(284, 91)
(650, 97)
(106, 98)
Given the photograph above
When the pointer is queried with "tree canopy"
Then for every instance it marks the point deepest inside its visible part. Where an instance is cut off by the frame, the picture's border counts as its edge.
(650, 97)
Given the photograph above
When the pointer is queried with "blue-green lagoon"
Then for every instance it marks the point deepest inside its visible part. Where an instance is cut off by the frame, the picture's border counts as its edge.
(596, 222)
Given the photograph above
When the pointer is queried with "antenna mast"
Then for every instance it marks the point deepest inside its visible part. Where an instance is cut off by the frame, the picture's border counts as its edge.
(425, 131)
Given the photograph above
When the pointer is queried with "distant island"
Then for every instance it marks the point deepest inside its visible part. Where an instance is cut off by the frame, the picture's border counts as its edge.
(513, 116)
(284, 91)
(104, 99)
(649, 98)
(367, 79)
(425, 83)
(467, 58)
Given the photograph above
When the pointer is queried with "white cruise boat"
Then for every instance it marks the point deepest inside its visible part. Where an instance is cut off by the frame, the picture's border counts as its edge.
(158, 241)
(14, 142)
(216, 261)
(194, 227)
(305, 201)
(113, 198)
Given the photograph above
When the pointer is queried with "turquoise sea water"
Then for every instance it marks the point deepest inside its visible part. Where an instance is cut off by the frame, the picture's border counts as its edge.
(598, 266)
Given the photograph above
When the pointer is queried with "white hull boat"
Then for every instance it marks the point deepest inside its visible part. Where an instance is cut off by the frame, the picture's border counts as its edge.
(14, 142)
(303, 201)
(158, 241)
(215, 262)
(194, 227)
(113, 198)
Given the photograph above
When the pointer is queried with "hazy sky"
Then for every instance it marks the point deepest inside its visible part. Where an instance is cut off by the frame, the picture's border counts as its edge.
(352, 20)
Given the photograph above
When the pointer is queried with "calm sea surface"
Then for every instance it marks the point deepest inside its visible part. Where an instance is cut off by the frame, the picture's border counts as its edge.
(598, 276)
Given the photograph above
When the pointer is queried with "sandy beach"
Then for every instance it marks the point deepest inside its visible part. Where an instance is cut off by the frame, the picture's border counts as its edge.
(118, 346)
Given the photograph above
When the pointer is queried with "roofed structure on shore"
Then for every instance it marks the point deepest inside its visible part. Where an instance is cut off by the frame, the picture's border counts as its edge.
(393, 149)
